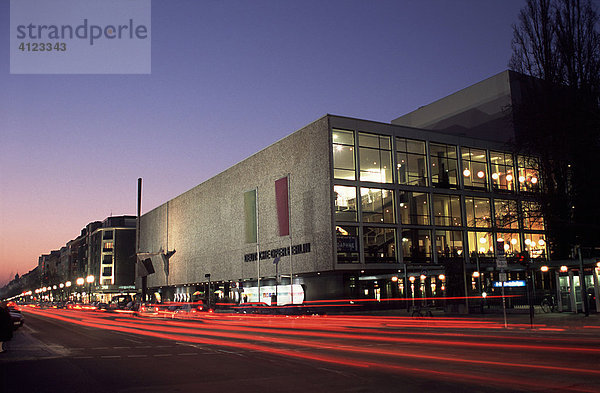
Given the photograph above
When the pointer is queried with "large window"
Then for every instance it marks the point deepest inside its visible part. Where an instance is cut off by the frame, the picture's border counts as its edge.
(474, 163)
(411, 161)
(478, 212)
(345, 203)
(448, 244)
(503, 177)
(529, 174)
(343, 155)
(348, 250)
(377, 205)
(508, 243)
(375, 158)
(533, 219)
(535, 244)
(416, 245)
(506, 214)
(481, 244)
(446, 210)
(413, 208)
(380, 245)
(444, 165)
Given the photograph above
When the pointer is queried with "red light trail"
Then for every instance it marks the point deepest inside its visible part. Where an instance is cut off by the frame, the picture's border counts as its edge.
(357, 341)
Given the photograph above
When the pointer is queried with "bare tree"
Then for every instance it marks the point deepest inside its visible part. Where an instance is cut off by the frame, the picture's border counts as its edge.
(557, 42)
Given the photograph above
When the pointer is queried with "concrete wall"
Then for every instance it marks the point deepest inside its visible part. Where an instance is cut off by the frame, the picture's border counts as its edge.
(205, 226)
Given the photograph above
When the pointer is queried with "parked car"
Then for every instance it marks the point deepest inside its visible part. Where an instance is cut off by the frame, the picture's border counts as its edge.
(17, 318)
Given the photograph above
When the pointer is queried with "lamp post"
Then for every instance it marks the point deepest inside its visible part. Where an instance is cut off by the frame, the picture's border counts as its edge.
(207, 275)
(90, 279)
(79, 283)
(68, 285)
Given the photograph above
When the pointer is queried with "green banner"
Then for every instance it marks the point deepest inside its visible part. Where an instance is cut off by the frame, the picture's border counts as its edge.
(251, 215)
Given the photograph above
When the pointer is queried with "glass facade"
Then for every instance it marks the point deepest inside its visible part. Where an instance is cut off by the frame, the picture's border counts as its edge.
(474, 164)
(446, 210)
(375, 158)
(506, 214)
(377, 205)
(345, 203)
(444, 165)
(529, 174)
(348, 250)
(503, 177)
(411, 159)
(380, 245)
(413, 207)
(343, 155)
(478, 212)
(412, 218)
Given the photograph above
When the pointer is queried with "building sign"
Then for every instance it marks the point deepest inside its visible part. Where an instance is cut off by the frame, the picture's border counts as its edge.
(347, 244)
(279, 252)
(513, 283)
(250, 294)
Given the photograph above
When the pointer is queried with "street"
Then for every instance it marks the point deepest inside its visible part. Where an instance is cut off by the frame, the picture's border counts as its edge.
(61, 350)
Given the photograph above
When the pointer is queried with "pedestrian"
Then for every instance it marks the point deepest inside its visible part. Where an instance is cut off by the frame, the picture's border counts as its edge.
(6, 326)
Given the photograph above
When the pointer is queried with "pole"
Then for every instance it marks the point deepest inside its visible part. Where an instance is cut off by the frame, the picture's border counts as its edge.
(479, 280)
(290, 228)
(504, 304)
(137, 240)
(257, 249)
(584, 298)
(529, 282)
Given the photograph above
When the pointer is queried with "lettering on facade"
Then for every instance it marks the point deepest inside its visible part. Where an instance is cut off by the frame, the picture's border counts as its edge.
(278, 252)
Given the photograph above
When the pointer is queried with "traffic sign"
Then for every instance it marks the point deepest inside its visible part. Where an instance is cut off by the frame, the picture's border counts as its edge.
(501, 262)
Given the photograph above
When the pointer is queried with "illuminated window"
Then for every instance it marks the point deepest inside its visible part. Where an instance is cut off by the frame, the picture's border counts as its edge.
(347, 244)
(449, 244)
(503, 177)
(506, 214)
(533, 219)
(411, 162)
(375, 158)
(413, 208)
(345, 203)
(529, 174)
(343, 155)
(108, 246)
(380, 245)
(481, 244)
(444, 165)
(474, 163)
(377, 205)
(107, 281)
(416, 245)
(508, 243)
(446, 210)
(479, 214)
(535, 244)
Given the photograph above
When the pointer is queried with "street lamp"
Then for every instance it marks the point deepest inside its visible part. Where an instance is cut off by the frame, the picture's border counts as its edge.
(80, 282)
(207, 275)
(90, 279)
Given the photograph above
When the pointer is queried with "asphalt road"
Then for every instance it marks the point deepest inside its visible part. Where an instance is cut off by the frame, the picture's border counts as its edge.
(86, 351)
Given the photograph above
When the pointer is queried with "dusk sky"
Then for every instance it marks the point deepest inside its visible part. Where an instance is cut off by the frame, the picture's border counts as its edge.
(228, 79)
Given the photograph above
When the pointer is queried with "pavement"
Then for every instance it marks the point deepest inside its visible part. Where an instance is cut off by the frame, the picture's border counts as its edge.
(521, 318)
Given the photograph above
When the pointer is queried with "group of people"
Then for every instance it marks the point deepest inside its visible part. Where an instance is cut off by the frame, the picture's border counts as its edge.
(6, 326)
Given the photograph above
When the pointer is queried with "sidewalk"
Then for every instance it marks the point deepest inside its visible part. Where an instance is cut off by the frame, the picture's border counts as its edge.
(556, 320)
(24, 346)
